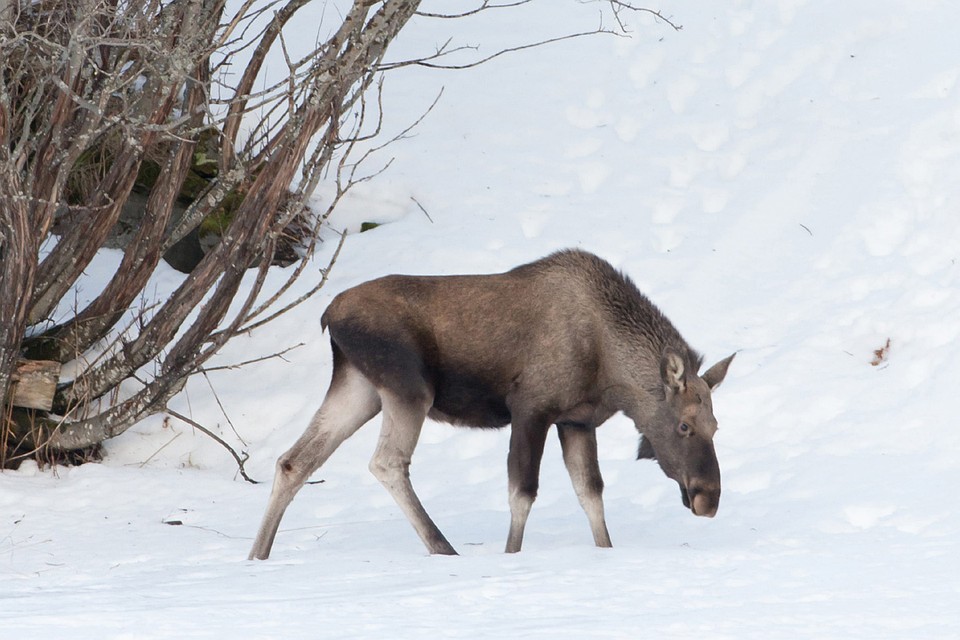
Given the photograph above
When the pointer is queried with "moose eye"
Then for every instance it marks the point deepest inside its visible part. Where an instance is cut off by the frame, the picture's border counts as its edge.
(683, 429)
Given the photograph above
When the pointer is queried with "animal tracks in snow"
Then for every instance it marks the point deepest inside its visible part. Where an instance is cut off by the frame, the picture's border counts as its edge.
(586, 153)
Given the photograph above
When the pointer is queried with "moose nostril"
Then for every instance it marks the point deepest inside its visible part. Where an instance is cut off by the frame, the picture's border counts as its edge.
(703, 500)
(703, 505)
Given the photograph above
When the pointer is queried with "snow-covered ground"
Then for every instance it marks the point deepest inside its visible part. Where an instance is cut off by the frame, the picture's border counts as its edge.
(782, 178)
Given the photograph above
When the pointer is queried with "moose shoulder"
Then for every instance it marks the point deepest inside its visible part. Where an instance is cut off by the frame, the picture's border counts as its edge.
(566, 341)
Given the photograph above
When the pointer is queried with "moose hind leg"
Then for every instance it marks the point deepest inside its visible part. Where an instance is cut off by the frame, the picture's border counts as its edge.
(523, 473)
(350, 402)
(579, 444)
(402, 422)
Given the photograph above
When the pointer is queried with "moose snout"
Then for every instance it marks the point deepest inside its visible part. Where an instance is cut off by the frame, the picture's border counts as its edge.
(703, 499)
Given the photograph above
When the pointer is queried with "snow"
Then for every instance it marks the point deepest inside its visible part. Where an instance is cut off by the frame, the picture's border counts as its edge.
(781, 178)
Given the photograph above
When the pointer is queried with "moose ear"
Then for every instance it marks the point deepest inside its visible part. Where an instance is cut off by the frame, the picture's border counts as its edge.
(671, 370)
(715, 374)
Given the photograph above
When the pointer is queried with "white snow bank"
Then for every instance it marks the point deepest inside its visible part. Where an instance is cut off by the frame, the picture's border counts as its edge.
(782, 178)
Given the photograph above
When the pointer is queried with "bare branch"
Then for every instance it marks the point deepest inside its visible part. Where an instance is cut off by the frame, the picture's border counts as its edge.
(309, 294)
(619, 6)
(420, 206)
(238, 365)
(427, 61)
(95, 92)
(240, 460)
(485, 5)
(231, 124)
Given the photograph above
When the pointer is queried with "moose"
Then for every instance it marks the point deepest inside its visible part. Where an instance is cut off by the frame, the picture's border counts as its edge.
(566, 340)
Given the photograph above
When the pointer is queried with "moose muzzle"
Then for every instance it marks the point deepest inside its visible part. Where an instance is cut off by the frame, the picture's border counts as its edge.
(700, 498)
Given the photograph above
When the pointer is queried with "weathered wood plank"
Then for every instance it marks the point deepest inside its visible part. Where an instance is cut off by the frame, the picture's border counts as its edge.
(34, 384)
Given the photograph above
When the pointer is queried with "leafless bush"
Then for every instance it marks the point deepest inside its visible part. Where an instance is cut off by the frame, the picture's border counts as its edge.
(92, 90)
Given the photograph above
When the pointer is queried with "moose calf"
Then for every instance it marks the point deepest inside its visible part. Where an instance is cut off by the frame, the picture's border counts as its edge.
(566, 340)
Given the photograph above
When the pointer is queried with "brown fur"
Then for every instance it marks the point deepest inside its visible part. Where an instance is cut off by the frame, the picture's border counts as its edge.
(565, 340)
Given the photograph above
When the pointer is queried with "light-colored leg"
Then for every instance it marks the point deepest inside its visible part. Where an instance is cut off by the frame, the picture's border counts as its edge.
(579, 446)
(520, 505)
(523, 473)
(351, 401)
(402, 422)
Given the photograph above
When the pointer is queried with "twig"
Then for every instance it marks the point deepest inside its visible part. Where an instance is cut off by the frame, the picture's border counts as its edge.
(237, 365)
(425, 62)
(483, 7)
(417, 202)
(218, 439)
(154, 454)
(223, 409)
(304, 297)
(619, 5)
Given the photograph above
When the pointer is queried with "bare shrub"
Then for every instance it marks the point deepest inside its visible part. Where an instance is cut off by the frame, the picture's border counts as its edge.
(96, 93)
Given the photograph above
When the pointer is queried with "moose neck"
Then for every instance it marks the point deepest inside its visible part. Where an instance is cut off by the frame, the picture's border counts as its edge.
(637, 336)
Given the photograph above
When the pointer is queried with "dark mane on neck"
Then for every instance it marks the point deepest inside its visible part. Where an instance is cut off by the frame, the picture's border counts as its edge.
(625, 304)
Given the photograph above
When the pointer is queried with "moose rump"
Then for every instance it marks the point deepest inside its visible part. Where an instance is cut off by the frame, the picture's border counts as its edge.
(566, 340)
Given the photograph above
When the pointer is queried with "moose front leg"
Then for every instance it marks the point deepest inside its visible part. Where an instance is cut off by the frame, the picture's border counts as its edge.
(523, 472)
(402, 422)
(579, 444)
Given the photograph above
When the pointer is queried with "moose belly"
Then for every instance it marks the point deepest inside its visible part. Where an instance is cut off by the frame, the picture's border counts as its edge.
(468, 401)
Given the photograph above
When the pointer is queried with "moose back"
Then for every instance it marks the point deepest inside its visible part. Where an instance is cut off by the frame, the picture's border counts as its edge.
(566, 340)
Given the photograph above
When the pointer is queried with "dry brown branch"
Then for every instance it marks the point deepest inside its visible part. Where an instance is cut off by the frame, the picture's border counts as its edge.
(485, 5)
(100, 100)
(238, 106)
(251, 234)
(300, 300)
(619, 7)
(240, 460)
(238, 365)
(141, 256)
(430, 63)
